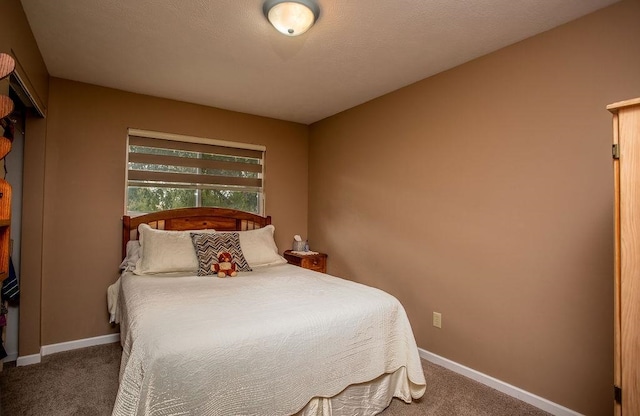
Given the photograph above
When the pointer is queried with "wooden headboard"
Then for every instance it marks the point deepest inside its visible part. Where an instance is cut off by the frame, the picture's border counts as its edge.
(221, 219)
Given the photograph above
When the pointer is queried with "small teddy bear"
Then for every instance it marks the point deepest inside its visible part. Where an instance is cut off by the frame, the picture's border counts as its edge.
(225, 265)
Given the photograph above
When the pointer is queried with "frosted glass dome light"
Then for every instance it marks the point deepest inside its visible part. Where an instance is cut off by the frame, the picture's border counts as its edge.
(291, 18)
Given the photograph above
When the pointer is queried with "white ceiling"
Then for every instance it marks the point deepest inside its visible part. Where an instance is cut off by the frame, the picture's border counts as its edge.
(224, 53)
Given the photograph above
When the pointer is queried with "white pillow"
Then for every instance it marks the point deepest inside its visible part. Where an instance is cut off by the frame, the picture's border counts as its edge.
(133, 254)
(163, 251)
(259, 248)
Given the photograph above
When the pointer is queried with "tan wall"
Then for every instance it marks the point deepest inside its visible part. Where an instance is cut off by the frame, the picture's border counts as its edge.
(16, 39)
(485, 193)
(84, 189)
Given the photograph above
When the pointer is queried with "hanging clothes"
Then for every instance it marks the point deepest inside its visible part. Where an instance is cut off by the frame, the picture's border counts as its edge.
(3, 322)
(9, 293)
(10, 286)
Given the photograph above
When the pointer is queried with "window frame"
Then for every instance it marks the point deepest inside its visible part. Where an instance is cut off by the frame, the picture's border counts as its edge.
(203, 141)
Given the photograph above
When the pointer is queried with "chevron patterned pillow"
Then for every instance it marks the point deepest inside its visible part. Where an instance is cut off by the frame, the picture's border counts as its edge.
(208, 246)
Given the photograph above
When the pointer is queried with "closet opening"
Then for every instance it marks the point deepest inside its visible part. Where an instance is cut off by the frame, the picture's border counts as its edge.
(11, 169)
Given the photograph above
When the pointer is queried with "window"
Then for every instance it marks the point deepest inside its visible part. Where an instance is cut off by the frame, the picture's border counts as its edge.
(166, 171)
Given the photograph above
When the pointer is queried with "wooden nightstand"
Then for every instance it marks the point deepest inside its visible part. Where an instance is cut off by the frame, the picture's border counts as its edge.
(317, 262)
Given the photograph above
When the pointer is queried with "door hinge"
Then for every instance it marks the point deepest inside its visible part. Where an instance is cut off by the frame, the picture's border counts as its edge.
(617, 394)
(615, 150)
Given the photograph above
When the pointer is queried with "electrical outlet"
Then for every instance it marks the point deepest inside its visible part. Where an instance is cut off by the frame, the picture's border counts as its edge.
(437, 319)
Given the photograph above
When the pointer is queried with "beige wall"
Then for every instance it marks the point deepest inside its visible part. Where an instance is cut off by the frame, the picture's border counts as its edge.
(16, 39)
(84, 189)
(485, 193)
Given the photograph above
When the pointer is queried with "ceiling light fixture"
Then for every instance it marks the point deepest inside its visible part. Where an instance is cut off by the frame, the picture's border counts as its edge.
(293, 17)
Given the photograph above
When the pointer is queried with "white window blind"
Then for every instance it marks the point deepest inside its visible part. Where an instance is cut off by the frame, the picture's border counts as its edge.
(165, 173)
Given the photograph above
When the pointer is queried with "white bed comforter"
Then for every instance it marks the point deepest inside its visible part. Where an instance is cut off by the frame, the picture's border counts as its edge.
(265, 342)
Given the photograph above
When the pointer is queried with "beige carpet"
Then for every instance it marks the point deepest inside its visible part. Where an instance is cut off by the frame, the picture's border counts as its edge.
(84, 383)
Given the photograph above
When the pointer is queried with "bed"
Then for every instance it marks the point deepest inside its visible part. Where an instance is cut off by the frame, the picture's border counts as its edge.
(275, 340)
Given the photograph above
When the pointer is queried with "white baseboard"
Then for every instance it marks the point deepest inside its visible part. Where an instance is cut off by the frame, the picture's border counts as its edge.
(513, 391)
(80, 343)
(28, 360)
(66, 346)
